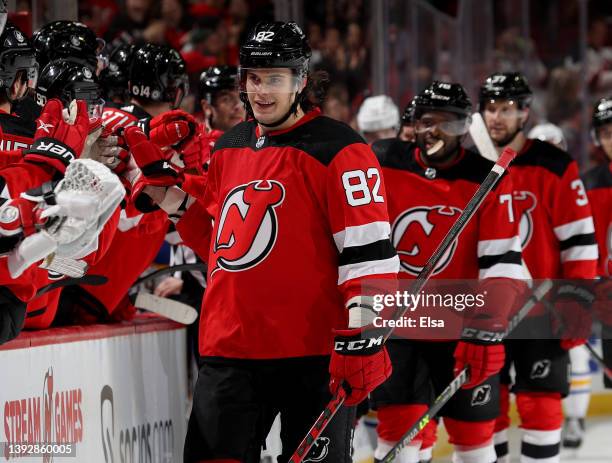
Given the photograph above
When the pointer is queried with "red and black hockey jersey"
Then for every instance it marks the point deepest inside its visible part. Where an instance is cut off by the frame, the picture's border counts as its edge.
(598, 184)
(116, 116)
(424, 203)
(17, 133)
(299, 218)
(557, 231)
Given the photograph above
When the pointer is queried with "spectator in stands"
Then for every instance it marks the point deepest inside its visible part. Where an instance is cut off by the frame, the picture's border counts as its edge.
(177, 22)
(136, 24)
(336, 104)
(378, 118)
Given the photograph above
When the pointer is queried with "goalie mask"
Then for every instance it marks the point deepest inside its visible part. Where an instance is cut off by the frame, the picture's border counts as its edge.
(69, 81)
(17, 63)
(158, 74)
(270, 46)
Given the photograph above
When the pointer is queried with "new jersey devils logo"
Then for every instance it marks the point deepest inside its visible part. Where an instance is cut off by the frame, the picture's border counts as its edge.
(417, 232)
(248, 225)
(319, 450)
(524, 203)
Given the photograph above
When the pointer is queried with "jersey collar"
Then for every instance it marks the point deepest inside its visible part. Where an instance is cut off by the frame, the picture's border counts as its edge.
(310, 115)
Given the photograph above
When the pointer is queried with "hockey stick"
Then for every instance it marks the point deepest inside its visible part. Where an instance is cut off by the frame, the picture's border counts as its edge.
(419, 283)
(174, 268)
(93, 280)
(174, 310)
(482, 139)
(461, 378)
(606, 369)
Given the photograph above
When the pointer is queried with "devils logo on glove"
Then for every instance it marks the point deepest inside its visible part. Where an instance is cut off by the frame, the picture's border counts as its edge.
(416, 233)
(248, 225)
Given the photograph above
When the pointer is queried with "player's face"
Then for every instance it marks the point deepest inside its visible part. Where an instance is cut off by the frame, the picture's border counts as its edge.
(503, 119)
(604, 134)
(228, 110)
(433, 135)
(271, 92)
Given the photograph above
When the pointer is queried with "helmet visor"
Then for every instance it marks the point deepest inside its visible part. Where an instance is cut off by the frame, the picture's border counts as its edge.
(452, 128)
(268, 80)
(13, 62)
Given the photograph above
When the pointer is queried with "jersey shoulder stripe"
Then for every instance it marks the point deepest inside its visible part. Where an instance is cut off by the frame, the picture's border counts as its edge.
(598, 177)
(544, 155)
(321, 138)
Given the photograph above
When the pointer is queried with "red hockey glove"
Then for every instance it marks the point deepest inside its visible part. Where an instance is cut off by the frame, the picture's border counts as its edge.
(482, 360)
(151, 160)
(196, 152)
(359, 363)
(603, 301)
(156, 169)
(572, 319)
(57, 142)
(171, 128)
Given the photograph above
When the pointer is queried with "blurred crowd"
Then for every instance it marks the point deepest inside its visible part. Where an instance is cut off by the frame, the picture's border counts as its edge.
(208, 32)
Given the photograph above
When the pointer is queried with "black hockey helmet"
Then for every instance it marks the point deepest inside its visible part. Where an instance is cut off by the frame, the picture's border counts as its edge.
(16, 54)
(68, 80)
(158, 73)
(217, 78)
(114, 78)
(275, 45)
(602, 112)
(505, 86)
(71, 40)
(442, 96)
(408, 114)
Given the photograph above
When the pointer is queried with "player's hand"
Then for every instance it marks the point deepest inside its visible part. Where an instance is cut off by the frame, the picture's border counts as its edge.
(572, 319)
(359, 363)
(170, 286)
(482, 360)
(196, 152)
(57, 142)
(603, 301)
(172, 128)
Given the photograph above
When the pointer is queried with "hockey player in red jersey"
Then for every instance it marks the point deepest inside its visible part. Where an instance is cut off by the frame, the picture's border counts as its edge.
(22, 221)
(297, 225)
(429, 182)
(18, 74)
(221, 105)
(558, 242)
(157, 83)
(598, 183)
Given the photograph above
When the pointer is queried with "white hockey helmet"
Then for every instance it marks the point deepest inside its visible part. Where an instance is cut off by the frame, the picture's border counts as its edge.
(378, 113)
(550, 133)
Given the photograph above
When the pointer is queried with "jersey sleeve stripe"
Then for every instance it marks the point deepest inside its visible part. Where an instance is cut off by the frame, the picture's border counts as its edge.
(574, 253)
(501, 270)
(578, 240)
(378, 250)
(362, 234)
(577, 227)
(368, 268)
(510, 257)
(499, 246)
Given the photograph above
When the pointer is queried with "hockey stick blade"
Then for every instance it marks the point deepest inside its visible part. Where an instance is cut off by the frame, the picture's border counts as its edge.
(482, 139)
(462, 377)
(419, 283)
(173, 310)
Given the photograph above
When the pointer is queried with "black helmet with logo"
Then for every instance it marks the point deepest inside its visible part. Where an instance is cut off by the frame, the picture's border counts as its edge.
(505, 86)
(17, 58)
(158, 73)
(442, 96)
(217, 78)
